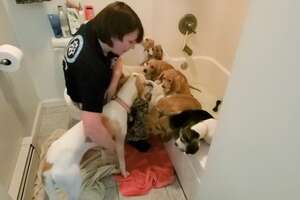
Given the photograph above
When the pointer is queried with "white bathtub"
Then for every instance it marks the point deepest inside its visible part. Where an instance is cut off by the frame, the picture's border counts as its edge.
(211, 78)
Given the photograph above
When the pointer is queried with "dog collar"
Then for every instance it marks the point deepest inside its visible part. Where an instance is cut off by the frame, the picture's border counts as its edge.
(122, 103)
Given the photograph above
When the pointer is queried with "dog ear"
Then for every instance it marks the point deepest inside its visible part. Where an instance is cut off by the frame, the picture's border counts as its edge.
(177, 83)
(158, 52)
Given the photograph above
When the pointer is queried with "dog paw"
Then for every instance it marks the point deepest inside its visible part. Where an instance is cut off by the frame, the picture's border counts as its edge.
(125, 174)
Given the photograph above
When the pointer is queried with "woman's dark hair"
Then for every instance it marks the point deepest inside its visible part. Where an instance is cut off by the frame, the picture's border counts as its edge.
(116, 20)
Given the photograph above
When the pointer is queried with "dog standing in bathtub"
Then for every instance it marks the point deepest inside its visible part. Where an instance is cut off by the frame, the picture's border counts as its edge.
(61, 167)
(191, 127)
(153, 68)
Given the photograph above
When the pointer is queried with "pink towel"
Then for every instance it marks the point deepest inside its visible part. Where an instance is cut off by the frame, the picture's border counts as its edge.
(151, 169)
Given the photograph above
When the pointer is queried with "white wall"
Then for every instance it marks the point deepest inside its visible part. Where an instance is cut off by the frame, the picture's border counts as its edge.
(218, 30)
(34, 34)
(18, 87)
(219, 24)
(255, 154)
(17, 108)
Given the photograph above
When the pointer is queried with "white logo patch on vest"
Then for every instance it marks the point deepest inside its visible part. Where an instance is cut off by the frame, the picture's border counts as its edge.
(74, 48)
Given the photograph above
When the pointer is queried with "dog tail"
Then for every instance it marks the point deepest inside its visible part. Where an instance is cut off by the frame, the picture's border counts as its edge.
(187, 117)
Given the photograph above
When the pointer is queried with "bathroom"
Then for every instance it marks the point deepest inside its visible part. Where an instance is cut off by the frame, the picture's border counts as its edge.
(256, 41)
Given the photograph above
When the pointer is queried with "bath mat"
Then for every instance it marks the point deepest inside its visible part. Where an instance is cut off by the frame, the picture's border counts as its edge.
(151, 169)
(95, 171)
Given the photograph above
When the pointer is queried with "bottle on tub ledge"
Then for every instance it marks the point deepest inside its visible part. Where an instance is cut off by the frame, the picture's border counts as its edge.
(88, 12)
(64, 23)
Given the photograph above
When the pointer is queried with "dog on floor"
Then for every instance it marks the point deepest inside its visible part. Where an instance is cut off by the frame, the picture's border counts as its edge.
(192, 126)
(61, 166)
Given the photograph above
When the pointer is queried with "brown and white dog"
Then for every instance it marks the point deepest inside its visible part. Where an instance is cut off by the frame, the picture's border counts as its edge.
(61, 166)
(153, 68)
(191, 127)
(174, 82)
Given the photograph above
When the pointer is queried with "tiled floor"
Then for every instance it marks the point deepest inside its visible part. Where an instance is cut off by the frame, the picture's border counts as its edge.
(56, 117)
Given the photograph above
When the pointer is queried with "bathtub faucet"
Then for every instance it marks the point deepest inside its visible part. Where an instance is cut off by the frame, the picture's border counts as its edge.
(187, 26)
(187, 50)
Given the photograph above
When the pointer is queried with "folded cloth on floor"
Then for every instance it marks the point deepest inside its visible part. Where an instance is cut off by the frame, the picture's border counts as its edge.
(95, 172)
(151, 169)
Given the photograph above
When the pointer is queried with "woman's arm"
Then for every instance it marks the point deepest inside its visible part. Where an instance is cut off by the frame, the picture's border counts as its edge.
(117, 72)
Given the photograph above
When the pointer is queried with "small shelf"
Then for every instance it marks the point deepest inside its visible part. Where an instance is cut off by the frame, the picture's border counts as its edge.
(60, 42)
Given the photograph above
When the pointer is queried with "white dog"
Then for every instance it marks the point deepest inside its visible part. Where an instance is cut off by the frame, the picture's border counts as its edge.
(190, 136)
(157, 93)
(61, 168)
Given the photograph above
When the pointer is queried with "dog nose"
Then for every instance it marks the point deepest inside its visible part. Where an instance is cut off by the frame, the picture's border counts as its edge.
(176, 144)
(145, 70)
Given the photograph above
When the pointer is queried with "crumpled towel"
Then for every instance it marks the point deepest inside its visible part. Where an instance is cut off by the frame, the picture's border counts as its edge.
(151, 169)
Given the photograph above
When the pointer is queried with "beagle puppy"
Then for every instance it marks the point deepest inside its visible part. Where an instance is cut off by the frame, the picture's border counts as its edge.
(148, 44)
(157, 53)
(61, 168)
(152, 51)
(174, 82)
(153, 68)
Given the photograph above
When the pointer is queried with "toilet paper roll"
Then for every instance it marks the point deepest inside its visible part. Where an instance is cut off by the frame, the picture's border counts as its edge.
(10, 58)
